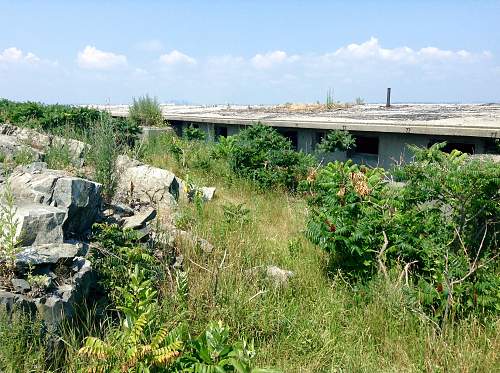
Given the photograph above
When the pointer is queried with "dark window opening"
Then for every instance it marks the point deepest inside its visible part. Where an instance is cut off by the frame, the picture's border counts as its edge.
(318, 137)
(290, 135)
(460, 146)
(366, 145)
(220, 131)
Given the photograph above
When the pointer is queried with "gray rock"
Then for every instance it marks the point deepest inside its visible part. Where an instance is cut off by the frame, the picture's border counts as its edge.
(57, 305)
(146, 185)
(81, 198)
(140, 219)
(278, 276)
(39, 224)
(11, 145)
(20, 285)
(49, 254)
(208, 193)
(122, 209)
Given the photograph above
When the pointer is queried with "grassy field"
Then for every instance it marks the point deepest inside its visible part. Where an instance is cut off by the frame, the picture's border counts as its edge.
(319, 322)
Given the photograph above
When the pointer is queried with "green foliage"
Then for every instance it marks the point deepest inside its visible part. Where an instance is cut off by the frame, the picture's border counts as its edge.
(261, 154)
(61, 118)
(212, 352)
(127, 131)
(8, 227)
(102, 156)
(443, 224)
(23, 343)
(346, 212)
(58, 156)
(192, 133)
(336, 140)
(47, 117)
(133, 348)
(146, 111)
(25, 155)
(115, 257)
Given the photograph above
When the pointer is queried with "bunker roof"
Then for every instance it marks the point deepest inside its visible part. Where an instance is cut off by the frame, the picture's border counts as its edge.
(475, 120)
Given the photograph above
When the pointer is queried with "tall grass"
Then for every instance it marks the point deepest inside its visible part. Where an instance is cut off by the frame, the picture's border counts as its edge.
(320, 322)
(102, 155)
(146, 111)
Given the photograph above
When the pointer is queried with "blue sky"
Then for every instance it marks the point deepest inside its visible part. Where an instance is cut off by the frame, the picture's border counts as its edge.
(249, 51)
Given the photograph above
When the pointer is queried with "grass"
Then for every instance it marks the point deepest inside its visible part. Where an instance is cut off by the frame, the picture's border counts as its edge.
(318, 323)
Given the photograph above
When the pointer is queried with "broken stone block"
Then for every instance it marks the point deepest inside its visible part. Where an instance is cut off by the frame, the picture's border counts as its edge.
(39, 224)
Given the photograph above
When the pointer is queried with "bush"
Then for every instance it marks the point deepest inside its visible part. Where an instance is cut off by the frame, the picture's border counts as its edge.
(192, 133)
(443, 224)
(47, 117)
(261, 154)
(58, 156)
(59, 119)
(127, 131)
(146, 111)
(8, 241)
(336, 140)
(103, 154)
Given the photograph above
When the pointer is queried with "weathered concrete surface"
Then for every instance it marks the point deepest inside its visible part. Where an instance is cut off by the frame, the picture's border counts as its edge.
(430, 119)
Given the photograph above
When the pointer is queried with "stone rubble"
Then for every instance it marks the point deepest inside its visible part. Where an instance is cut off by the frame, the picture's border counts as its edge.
(55, 211)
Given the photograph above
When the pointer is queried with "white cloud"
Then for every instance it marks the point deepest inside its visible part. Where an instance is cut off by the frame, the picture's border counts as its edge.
(15, 55)
(371, 49)
(177, 58)
(270, 59)
(93, 58)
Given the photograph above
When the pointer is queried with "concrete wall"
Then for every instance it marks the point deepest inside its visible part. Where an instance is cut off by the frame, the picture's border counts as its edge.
(392, 147)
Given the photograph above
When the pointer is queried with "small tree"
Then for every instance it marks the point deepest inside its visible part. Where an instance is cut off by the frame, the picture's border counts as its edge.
(8, 227)
(146, 111)
(336, 140)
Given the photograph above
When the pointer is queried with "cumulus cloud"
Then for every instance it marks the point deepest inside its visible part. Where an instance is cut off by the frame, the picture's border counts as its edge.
(271, 59)
(177, 58)
(94, 59)
(371, 49)
(14, 55)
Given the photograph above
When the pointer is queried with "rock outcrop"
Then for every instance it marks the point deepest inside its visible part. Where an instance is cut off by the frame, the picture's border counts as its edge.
(144, 185)
(13, 139)
(79, 198)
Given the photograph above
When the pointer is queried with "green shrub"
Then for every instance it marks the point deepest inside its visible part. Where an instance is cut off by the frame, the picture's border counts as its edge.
(25, 155)
(102, 155)
(115, 256)
(58, 156)
(127, 131)
(8, 227)
(443, 224)
(261, 154)
(146, 111)
(192, 133)
(336, 140)
(47, 117)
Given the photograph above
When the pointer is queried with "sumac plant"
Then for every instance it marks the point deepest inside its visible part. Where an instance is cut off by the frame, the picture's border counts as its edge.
(439, 226)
